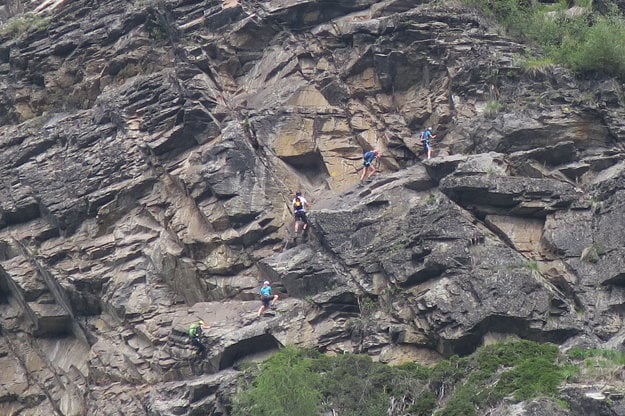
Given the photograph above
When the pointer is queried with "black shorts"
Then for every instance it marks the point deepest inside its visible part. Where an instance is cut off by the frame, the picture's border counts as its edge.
(198, 344)
(266, 300)
(301, 216)
(367, 164)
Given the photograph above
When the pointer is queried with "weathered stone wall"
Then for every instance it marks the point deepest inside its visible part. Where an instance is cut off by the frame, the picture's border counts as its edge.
(150, 149)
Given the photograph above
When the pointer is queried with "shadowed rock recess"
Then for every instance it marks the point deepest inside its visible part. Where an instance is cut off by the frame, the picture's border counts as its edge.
(149, 150)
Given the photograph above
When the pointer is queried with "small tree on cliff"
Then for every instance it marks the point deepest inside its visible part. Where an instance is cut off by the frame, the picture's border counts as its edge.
(284, 386)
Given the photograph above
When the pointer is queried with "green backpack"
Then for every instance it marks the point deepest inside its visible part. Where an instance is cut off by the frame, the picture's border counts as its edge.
(193, 330)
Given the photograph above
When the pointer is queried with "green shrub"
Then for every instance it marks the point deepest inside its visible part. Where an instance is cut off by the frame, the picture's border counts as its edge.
(418, 371)
(284, 386)
(617, 357)
(303, 382)
(461, 404)
(156, 26)
(424, 405)
(586, 45)
(21, 24)
(531, 378)
(355, 385)
(493, 108)
(600, 48)
(593, 253)
(537, 65)
(497, 371)
(532, 265)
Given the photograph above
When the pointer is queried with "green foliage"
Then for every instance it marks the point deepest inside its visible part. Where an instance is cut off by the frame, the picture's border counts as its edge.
(498, 371)
(295, 382)
(593, 253)
(493, 108)
(24, 23)
(505, 11)
(530, 378)
(570, 372)
(598, 48)
(424, 405)
(532, 265)
(417, 371)
(367, 306)
(303, 382)
(537, 65)
(156, 27)
(356, 386)
(460, 404)
(431, 199)
(284, 386)
(614, 357)
(586, 45)
(398, 245)
(596, 364)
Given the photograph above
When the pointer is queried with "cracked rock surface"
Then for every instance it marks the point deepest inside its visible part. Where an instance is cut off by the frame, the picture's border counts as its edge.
(149, 151)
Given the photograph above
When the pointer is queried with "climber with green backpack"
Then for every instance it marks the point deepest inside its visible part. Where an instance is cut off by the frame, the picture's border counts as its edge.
(196, 331)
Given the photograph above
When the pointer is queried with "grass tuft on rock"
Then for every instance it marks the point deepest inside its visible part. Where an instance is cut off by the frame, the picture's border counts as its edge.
(18, 25)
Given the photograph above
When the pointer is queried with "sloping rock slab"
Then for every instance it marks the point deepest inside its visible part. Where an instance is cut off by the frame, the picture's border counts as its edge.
(494, 194)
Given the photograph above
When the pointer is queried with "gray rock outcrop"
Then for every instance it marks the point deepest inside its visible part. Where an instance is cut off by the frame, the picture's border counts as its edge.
(150, 150)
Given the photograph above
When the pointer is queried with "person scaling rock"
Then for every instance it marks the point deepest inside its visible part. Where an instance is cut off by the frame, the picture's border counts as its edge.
(368, 158)
(300, 204)
(196, 330)
(426, 136)
(267, 298)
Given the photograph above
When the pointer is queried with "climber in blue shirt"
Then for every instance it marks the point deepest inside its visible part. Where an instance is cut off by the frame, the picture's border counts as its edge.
(426, 136)
(267, 298)
(368, 158)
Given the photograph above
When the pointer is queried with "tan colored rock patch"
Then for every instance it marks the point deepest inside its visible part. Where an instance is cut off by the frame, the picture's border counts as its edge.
(523, 233)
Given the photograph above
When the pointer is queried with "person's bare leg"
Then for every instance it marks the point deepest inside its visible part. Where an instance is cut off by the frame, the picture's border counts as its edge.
(261, 310)
(373, 170)
(275, 299)
(364, 173)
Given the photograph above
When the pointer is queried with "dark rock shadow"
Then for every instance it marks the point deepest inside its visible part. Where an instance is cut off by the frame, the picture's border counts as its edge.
(246, 347)
(504, 325)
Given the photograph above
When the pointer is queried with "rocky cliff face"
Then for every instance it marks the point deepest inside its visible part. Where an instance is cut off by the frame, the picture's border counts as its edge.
(149, 150)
